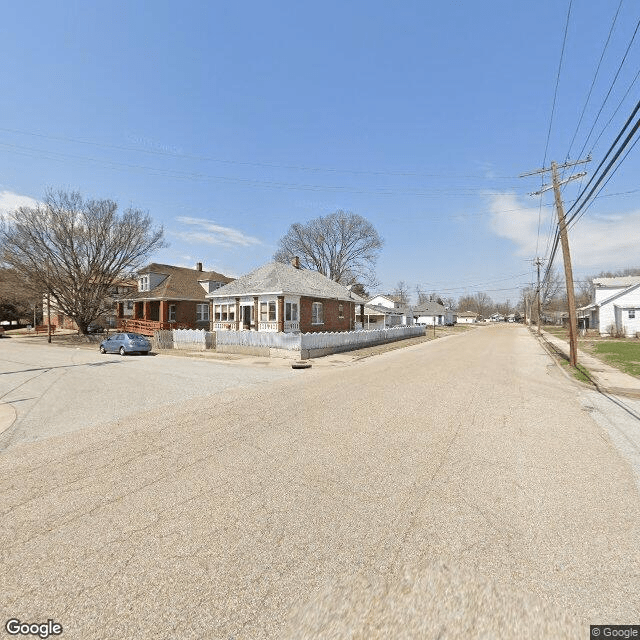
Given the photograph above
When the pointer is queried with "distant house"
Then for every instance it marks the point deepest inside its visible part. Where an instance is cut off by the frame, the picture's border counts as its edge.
(615, 308)
(395, 304)
(466, 317)
(380, 317)
(285, 298)
(496, 317)
(169, 297)
(431, 313)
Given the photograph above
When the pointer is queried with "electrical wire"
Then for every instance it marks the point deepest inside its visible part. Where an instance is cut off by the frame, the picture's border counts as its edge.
(595, 76)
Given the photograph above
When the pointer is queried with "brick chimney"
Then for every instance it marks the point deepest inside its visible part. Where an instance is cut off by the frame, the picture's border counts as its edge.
(296, 262)
(198, 266)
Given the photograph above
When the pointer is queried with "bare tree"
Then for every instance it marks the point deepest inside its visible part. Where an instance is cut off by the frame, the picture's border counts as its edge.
(421, 295)
(342, 246)
(479, 303)
(75, 249)
(402, 292)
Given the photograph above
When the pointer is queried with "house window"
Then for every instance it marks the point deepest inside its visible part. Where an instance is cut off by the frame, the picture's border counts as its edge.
(632, 313)
(340, 311)
(143, 284)
(291, 312)
(129, 304)
(264, 311)
(272, 311)
(317, 316)
(202, 312)
(172, 313)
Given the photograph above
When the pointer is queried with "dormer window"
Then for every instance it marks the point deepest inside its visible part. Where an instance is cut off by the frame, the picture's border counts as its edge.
(143, 283)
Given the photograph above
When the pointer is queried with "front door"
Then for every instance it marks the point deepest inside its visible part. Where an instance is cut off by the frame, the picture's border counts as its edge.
(246, 317)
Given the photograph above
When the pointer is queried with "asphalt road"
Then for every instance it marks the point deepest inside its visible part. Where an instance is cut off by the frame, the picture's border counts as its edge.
(458, 488)
(57, 389)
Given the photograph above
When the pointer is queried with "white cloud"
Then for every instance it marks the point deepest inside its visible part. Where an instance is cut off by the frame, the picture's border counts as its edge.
(202, 230)
(597, 241)
(9, 201)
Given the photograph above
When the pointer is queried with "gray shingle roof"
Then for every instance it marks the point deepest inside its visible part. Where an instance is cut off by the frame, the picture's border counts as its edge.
(427, 308)
(280, 278)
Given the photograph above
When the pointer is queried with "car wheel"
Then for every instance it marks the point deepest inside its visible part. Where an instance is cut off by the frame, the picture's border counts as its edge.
(122, 351)
(103, 350)
(144, 353)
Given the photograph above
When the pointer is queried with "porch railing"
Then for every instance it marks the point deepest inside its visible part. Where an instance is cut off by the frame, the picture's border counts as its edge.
(147, 327)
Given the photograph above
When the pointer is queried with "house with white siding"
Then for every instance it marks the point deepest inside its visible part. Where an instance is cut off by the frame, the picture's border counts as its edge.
(615, 308)
(396, 307)
(431, 313)
(466, 317)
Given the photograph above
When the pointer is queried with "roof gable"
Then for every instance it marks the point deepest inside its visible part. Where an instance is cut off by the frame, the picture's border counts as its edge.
(280, 278)
(180, 283)
(618, 294)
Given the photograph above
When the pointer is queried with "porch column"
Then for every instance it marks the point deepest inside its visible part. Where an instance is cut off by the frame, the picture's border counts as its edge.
(280, 314)
(134, 316)
(146, 310)
(120, 310)
(164, 311)
(362, 315)
(238, 320)
(256, 313)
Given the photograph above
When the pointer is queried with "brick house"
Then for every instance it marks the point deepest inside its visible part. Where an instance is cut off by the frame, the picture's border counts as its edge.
(169, 297)
(285, 298)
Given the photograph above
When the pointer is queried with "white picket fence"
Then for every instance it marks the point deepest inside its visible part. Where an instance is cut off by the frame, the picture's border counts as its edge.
(188, 339)
(271, 339)
(357, 339)
(339, 340)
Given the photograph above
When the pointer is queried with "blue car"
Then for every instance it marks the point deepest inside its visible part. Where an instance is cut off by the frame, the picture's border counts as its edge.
(124, 343)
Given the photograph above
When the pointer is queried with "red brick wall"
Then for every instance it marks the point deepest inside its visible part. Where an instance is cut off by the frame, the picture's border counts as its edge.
(186, 314)
(331, 312)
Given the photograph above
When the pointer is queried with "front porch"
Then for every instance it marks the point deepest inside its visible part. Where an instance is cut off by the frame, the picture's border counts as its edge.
(147, 327)
(289, 326)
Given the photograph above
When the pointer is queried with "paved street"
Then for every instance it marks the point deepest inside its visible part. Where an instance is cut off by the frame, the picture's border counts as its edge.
(55, 389)
(457, 488)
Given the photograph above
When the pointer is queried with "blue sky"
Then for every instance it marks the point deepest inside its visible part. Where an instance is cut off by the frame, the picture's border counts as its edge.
(230, 121)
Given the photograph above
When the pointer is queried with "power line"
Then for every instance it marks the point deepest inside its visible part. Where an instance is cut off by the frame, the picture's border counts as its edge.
(553, 108)
(595, 76)
(158, 152)
(184, 175)
(613, 82)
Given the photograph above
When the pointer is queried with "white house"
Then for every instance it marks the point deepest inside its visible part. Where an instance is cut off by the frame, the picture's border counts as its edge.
(430, 313)
(616, 306)
(466, 317)
(377, 316)
(392, 302)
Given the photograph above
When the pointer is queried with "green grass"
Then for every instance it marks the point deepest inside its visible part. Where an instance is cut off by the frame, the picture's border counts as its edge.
(579, 373)
(623, 355)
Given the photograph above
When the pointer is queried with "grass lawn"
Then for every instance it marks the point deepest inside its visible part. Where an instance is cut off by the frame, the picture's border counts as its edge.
(625, 355)
(622, 353)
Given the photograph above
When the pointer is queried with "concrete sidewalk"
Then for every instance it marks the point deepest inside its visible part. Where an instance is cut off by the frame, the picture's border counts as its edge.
(607, 379)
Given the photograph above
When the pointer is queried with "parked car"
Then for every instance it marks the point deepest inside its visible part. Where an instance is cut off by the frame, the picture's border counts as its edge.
(124, 343)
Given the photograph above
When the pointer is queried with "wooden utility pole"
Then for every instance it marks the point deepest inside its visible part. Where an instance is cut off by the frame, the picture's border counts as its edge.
(538, 263)
(562, 227)
(568, 272)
